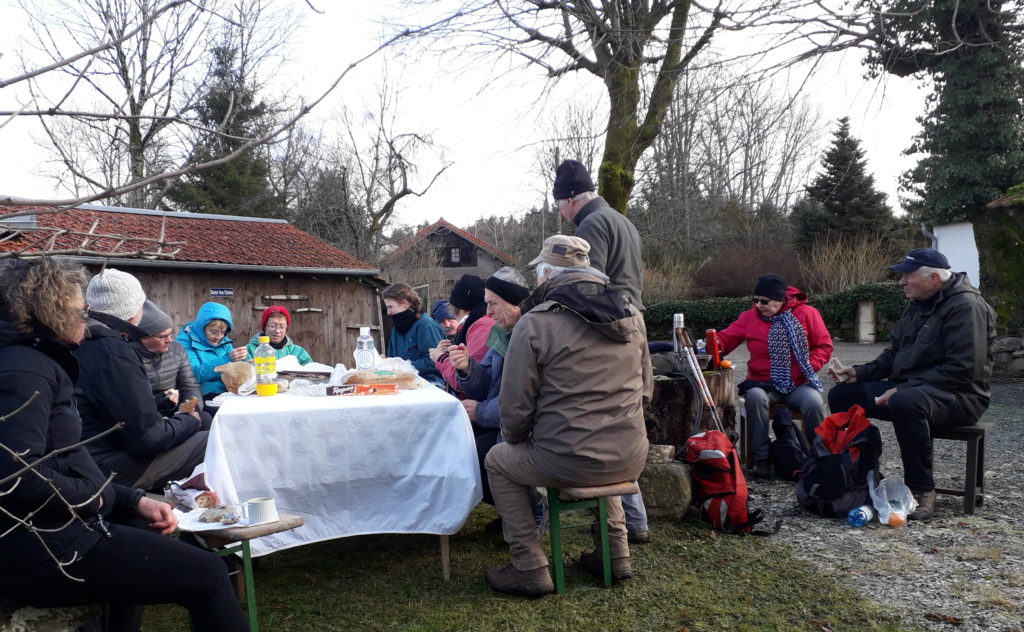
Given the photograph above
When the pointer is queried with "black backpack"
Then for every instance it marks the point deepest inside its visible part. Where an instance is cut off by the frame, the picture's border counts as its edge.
(789, 449)
(833, 483)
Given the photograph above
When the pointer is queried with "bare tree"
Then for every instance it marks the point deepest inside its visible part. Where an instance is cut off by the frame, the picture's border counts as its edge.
(351, 193)
(137, 86)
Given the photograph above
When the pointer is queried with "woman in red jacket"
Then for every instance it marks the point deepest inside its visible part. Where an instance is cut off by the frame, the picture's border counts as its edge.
(788, 343)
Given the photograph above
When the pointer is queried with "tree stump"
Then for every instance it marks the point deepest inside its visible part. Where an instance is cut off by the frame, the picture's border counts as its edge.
(670, 414)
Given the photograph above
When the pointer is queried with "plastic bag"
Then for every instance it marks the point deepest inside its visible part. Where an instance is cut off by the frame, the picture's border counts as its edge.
(892, 500)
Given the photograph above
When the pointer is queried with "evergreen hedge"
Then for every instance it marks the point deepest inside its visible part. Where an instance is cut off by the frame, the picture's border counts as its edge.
(837, 309)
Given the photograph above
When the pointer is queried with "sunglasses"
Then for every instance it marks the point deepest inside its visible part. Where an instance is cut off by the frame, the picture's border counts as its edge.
(760, 301)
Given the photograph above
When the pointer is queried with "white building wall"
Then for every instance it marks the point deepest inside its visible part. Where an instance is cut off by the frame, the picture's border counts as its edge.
(956, 241)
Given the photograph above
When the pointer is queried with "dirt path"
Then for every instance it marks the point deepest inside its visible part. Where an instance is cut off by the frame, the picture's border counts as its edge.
(966, 569)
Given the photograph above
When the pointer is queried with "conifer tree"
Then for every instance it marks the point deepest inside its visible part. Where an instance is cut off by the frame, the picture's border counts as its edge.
(241, 186)
(842, 201)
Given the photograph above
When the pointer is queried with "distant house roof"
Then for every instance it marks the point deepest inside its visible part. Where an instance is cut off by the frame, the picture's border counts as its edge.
(207, 240)
(442, 223)
(1014, 198)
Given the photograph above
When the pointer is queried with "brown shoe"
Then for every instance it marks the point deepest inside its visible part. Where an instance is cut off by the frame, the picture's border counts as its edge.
(532, 583)
(590, 561)
(925, 506)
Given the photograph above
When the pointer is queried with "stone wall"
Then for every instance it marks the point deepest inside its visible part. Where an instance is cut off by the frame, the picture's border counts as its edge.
(1009, 354)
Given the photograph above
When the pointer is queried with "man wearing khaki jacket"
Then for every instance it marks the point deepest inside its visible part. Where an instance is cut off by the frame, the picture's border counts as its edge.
(577, 376)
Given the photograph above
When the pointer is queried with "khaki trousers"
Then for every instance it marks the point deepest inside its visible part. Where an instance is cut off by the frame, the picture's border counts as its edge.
(512, 475)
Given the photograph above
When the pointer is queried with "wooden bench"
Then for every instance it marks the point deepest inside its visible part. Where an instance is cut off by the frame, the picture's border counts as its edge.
(974, 478)
(570, 498)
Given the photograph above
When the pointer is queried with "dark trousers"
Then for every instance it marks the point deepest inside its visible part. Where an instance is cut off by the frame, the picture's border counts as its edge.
(136, 566)
(913, 412)
(485, 440)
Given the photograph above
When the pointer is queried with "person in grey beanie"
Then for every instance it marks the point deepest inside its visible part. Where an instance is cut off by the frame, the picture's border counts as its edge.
(167, 366)
(112, 388)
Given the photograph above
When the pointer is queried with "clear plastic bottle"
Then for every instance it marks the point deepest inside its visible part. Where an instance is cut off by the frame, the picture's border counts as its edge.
(365, 353)
(860, 516)
(266, 368)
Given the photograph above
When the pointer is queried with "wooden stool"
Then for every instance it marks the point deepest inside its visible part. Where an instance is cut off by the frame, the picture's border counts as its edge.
(747, 431)
(974, 480)
(231, 540)
(570, 498)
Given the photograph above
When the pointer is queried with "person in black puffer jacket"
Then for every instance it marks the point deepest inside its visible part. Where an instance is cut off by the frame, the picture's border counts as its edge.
(106, 536)
(151, 449)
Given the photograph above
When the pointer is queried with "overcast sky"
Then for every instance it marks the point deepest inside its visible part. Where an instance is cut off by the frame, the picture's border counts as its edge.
(488, 134)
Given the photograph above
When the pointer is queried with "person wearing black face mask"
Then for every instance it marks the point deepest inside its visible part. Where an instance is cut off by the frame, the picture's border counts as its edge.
(414, 333)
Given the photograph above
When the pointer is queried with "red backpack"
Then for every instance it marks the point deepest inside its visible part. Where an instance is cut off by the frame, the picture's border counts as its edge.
(719, 486)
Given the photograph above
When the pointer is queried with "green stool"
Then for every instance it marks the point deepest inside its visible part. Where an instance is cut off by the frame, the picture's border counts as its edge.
(573, 498)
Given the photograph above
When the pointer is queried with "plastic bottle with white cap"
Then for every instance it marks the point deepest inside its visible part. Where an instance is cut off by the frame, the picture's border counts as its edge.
(365, 353)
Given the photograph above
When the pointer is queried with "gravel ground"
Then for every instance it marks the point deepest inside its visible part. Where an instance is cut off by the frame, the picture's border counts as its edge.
(958, 572)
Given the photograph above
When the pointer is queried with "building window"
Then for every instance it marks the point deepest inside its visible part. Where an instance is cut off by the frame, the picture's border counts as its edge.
(455, 255)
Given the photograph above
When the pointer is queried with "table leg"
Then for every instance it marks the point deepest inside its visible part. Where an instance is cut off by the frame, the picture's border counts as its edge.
(446, 570)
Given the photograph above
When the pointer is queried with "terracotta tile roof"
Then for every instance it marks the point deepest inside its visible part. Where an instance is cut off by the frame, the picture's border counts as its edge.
(216, 239)
(442, 223)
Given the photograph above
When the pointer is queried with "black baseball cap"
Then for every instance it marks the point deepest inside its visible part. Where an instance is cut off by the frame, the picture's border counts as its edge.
(922, 257)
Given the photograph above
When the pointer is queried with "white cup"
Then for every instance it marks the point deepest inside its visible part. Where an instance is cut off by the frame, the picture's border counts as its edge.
(259, 510)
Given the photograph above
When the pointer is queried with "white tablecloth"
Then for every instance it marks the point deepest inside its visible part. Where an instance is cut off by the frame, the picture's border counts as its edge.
(353, 465)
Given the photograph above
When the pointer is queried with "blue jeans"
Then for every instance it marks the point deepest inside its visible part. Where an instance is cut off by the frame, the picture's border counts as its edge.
(636, 512)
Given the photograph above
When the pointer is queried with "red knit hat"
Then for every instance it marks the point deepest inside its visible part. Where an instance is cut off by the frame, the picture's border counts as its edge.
(270, 311)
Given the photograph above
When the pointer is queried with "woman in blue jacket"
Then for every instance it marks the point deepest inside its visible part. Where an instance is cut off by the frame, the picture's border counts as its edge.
(414, 333)
(207, 345)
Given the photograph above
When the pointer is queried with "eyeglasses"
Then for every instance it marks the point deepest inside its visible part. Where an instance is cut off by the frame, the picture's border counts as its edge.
(85, 312)
(165, 337)
(281, 326)
(216, 333)
(760, 301)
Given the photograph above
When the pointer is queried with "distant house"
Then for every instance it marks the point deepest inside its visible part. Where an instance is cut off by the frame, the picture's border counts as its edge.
(443, 252)
(245, 263)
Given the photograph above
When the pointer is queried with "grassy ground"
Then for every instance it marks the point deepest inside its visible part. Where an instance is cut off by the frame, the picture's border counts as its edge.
(686, 579)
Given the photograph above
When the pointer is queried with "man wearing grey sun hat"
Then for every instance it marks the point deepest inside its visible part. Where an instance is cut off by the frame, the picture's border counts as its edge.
(936, 371)
(568, 419)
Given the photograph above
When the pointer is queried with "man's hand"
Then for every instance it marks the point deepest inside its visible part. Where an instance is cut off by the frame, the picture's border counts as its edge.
(159, 515)
(846, 374)
(459, 357)
(883, 399)
(172, 395)
(238, 354)
(440, 350)
(470, 406)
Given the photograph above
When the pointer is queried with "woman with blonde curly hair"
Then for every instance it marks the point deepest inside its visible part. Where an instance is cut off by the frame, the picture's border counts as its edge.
(64, 520)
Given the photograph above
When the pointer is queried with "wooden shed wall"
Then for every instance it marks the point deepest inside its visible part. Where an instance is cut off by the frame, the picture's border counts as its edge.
(329, 336)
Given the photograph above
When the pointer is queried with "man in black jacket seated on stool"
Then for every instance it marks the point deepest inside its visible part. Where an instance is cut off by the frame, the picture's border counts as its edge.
(936, 371)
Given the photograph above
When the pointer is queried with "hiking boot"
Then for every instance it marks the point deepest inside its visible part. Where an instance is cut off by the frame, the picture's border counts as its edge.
(639, 537)
(762, 470)
(494, 526)
(925, 506)
(532, 583)
(590, 561)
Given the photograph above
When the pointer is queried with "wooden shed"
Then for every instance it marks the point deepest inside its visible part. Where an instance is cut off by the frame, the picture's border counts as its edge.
(245, 263)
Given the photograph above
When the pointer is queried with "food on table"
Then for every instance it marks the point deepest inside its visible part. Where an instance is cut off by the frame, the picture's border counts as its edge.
(224, 514)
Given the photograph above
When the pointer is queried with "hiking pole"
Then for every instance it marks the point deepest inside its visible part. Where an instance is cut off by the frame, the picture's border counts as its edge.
(684, 344)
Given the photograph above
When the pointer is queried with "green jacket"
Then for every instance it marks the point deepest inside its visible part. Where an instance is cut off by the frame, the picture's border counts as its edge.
(289, 348)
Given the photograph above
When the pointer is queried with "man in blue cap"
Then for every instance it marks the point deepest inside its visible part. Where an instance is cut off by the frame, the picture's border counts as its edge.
(442, 313)
(936, 371)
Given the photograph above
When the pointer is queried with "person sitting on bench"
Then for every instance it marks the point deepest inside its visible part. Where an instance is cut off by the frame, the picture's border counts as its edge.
(936, 371)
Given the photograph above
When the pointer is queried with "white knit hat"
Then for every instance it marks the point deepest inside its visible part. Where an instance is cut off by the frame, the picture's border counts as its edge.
(116, 293)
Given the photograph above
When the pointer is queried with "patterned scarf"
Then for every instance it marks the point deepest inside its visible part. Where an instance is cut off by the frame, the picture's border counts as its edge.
(785, 336)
